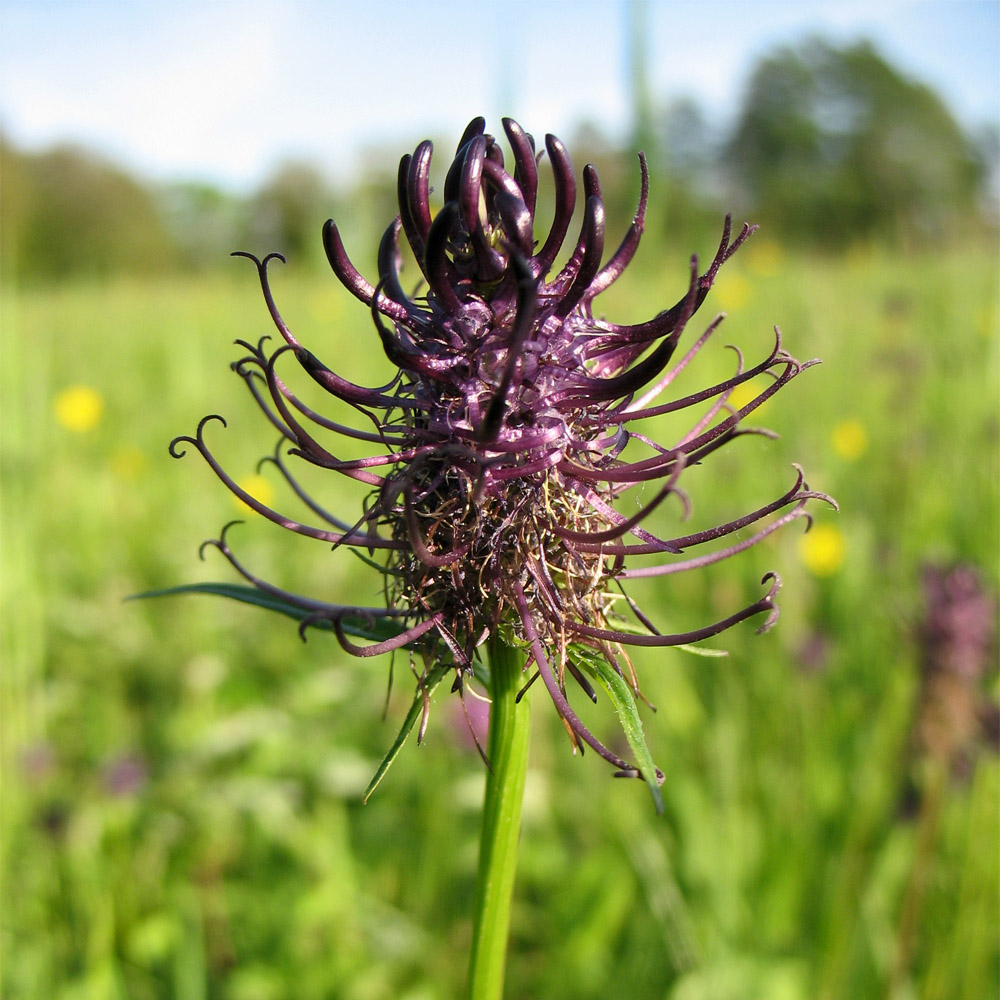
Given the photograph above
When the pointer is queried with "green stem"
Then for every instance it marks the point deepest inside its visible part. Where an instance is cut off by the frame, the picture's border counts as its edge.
(507, 749)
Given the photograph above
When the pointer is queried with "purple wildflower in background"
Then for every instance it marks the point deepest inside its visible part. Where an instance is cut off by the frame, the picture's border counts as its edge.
(506, 440)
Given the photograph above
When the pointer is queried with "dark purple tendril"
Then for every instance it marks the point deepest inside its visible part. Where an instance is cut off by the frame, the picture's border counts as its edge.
(508, 434)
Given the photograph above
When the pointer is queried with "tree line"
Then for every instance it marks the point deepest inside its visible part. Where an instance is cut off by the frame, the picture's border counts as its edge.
(832, 146)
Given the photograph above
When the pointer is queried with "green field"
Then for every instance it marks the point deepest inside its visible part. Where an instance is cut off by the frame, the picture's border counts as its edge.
(181, 812)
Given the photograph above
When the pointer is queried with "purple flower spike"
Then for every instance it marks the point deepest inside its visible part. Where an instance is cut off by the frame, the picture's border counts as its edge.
(508, 437)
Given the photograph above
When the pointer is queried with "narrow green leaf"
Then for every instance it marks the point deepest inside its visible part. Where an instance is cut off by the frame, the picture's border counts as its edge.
(701, 650)
(381, 567)
(430, 683)
(381, 629)
(628, 714)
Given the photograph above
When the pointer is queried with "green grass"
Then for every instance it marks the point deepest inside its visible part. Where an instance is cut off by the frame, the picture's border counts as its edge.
(239, 863)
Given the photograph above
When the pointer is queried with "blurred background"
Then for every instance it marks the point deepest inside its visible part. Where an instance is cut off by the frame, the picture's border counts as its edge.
(181, 813)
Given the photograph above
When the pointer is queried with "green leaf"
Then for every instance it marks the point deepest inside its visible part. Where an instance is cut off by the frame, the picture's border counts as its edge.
(430, 682)
(381, 629)
(628, 713)
(701, 650)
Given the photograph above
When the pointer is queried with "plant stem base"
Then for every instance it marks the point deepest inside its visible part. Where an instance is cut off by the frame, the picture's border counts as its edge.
(507, 749)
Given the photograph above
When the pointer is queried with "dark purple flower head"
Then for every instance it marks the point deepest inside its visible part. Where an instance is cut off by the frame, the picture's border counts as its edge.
(507, 437)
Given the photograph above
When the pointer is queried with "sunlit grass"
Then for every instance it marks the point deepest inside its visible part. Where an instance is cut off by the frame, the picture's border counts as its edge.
(239, 863)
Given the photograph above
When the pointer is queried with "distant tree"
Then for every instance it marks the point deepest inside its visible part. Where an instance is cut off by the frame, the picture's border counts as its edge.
(206, 223)
(374, 193)
(287, 213)
(987, 140)
(835, 144)
(619, 171)
(68, 213)
(681, 210)
(689, 145)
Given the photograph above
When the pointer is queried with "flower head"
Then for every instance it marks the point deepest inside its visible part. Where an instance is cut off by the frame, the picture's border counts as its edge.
(507, 436)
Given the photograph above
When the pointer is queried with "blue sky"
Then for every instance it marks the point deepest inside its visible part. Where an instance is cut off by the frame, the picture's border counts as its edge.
(223, 90)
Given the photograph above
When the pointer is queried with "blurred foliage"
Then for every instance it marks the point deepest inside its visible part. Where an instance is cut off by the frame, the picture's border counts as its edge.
(181, 816)
(835, 144)
(833, 147)
(68, 213)
(287, 213)
(206, 224)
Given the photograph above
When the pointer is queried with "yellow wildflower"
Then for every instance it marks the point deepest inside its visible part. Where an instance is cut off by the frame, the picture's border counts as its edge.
(850, 439)
(766, 258)
(259, 488)
(79, 408)
(745, 393)
(822, 549)
(732, 291)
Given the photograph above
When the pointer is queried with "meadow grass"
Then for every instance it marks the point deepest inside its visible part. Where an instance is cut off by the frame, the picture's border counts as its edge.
(181, 814)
